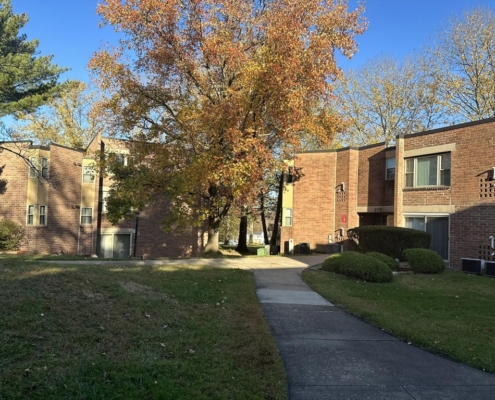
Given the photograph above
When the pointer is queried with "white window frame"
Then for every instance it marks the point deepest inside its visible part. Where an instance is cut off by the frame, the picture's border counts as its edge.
(122, 159)
(414, 171)
(91, 174)
(86, 216)
(288, 217)
(30, 215)
(40, 214)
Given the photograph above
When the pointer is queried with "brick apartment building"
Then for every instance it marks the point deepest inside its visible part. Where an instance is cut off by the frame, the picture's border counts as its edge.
(61, 204)
(441, 181)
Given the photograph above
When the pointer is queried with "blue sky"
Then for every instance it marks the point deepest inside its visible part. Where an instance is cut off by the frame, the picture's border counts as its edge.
(68, 29)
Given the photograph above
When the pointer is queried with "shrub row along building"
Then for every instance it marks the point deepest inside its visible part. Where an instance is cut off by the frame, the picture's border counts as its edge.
(441, 181)
(55, 193)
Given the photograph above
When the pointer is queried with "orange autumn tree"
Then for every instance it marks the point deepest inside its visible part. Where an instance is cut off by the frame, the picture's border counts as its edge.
(216, 93)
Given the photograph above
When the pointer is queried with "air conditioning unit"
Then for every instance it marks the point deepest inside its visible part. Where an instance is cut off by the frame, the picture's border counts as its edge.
(490, 268)
(472, 265)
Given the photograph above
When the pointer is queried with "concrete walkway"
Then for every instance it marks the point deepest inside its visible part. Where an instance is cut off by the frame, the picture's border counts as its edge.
(329, 354)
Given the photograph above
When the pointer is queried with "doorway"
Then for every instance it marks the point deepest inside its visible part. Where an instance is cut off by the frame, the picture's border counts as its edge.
(112, 245)
(437, 227)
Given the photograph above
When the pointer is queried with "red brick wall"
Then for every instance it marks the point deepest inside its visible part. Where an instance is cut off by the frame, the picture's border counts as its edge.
(471, 173)
(420, 197)
(13, 185)
(373, 189)
(318, 207)
(314, 200)
(152, 240)
(64, 196)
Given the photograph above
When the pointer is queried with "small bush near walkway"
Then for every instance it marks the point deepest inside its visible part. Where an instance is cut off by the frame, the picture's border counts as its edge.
(389, 261)
(450, 314)
(125, 332)
(424, 261)
(358, 266)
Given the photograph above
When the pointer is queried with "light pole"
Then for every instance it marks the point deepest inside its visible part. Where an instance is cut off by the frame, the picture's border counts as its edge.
(136, 232)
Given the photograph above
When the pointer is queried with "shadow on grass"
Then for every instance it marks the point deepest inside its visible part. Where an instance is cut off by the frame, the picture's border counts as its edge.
(133, 332)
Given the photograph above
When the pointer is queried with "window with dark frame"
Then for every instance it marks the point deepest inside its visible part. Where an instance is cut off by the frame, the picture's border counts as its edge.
(44, 167)
(390, 169)
(42, 215)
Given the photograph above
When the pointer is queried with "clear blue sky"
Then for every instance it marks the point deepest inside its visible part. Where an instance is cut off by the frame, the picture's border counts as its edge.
(68, 29)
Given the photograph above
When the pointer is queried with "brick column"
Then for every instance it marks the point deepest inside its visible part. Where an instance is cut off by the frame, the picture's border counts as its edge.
(352, 190)
(399, 182)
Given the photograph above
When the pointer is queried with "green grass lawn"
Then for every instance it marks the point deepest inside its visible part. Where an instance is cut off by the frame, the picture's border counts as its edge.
(93, 332)
(451, 314)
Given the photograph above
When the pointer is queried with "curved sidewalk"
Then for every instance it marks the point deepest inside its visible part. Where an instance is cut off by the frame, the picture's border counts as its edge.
(329, 354)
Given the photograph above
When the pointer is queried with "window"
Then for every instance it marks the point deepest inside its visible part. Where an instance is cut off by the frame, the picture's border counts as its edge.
(289, 176)
(428, 171)
(86, 216)
(104, 201)
(44, 167)
(33, 162)
(42, 215)
(121, 159)
(88, 174)
(390, 169)
(30, 215)
(288, 217)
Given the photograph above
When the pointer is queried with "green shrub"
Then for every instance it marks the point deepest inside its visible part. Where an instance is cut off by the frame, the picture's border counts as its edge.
(389, 240)
(389, 261)
(11, 235)
(424, 261)
(359, 266)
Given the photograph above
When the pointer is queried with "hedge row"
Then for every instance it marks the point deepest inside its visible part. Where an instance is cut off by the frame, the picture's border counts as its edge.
(389, 240)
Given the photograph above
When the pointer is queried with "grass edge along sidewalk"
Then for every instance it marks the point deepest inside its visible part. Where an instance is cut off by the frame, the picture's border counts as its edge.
(134, 333)
(449, 314)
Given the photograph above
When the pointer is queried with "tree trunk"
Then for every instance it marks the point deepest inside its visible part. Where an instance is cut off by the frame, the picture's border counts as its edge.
(263, 219)
(242, 243)
(212, 243)
(278, 212)
(265, 230)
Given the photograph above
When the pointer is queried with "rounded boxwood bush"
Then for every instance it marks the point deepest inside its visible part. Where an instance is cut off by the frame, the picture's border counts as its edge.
(424, 261)
(391, 263)
(359, 266)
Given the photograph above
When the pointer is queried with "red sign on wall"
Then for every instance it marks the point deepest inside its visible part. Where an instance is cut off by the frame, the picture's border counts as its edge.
(344, 218)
